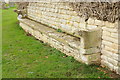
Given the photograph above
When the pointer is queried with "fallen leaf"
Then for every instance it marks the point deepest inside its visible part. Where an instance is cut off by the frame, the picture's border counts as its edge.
(46, 56)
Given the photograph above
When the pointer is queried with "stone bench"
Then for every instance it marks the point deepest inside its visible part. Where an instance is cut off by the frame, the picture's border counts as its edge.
(84, 48)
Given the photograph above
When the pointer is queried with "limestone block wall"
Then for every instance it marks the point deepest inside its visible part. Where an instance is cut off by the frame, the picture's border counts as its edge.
(62, 16)
(56, 15)
(110, 48)
(98, 40)
(110, 55)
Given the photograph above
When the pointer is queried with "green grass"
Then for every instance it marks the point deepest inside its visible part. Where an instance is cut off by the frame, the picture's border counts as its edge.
(0, 43)
(59, 30)
(26, 57)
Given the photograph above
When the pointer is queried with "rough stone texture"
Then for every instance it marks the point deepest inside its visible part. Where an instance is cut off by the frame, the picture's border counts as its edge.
(66, 43)
(84, 40)
(110, 55)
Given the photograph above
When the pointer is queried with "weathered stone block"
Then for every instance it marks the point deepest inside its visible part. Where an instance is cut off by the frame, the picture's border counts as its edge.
(76, 24)
(91, 27)
(106, 33)
(110, 60)
(111, 55)
(83, 26)
(109, 24)
(113, 30)
(91, 21)
(98, 22)
(113, 50)
(89, 51)
(114, 35)
(117, 69)
(90, 59)
(91, 39)
(107, 38)
(107, 64)
(106, 43)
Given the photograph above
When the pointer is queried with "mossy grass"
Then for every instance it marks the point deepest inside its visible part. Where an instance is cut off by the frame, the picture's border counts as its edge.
(59, 30)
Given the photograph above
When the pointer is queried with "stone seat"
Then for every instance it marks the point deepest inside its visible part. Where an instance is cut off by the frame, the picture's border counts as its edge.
(62, 37)
(85, 48)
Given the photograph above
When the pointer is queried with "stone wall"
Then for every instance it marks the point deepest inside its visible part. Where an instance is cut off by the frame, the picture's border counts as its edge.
(110, 54)
(62, 16)
(85, 41)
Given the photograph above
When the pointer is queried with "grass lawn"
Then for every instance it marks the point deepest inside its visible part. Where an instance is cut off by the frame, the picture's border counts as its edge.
(26, 57)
